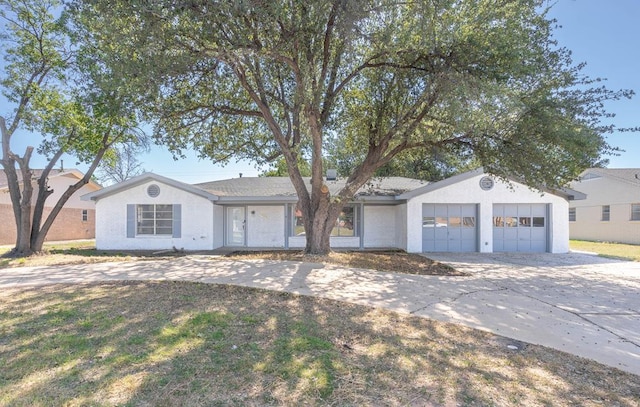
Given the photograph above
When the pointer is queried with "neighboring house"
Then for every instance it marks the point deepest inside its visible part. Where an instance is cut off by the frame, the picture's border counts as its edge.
(467, 212)
(76, 220)
(611, 211)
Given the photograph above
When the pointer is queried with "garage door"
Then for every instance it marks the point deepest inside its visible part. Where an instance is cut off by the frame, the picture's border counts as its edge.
(520, 227)
(449, 228)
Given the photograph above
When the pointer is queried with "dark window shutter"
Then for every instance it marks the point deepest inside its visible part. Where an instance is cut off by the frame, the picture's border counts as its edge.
(177, 221)
(131, 221)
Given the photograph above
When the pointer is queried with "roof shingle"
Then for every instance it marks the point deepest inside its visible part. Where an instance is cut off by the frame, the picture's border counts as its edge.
(629, 175)
(282, 186)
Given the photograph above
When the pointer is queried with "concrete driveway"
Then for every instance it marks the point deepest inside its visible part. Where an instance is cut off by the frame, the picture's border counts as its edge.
(578, 303)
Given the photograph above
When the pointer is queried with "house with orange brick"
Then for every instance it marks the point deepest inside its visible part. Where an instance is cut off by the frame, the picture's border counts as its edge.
(75, 221)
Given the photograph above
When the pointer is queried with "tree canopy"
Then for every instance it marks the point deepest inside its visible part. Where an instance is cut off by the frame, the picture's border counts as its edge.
(454, 81)
(54, 89)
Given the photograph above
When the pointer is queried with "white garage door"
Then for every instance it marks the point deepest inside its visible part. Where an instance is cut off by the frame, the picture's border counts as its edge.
(449, 228)
(520, 227)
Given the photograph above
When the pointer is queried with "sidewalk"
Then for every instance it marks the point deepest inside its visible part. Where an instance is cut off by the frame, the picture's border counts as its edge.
(576, 303)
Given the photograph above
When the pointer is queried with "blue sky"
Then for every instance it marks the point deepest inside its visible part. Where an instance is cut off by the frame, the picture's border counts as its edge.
(603, 33)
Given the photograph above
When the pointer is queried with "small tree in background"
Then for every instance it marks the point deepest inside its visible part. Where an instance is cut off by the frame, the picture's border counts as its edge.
(121, 163)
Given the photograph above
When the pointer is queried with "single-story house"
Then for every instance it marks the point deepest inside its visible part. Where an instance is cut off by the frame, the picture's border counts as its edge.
(611, 210)
(468, 212)
(76, 220)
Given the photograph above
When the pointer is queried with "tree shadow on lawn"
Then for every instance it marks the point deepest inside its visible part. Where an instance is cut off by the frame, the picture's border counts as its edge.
(172, 343)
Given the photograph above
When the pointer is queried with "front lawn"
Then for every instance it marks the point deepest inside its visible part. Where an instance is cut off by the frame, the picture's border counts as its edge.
(605, 249)
(190, 344)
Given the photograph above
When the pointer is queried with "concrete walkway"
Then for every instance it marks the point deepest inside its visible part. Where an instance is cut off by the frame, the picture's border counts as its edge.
(578, 303)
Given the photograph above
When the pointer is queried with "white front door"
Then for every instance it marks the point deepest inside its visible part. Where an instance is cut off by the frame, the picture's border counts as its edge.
(236, 224)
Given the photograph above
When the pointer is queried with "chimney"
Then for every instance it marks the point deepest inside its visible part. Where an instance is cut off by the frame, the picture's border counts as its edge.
(332, 174)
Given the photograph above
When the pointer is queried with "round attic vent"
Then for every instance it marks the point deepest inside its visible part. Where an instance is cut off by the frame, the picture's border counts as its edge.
(486, 183)
(153, 190)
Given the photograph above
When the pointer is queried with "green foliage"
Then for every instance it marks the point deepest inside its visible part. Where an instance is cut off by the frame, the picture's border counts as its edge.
(476, 79)
(379, 85)
(281, 169)
(58, 88)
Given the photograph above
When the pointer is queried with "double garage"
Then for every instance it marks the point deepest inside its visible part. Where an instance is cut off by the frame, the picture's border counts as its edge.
(454, 228)
(474, 212)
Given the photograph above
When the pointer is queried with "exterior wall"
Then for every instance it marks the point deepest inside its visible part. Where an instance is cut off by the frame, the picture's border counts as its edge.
(469, 192)
(70, 226)
(380, 225)
(606, 191)
(401, 226)
(59, 184)
(196, 229)
(265, 226)
(67, 226)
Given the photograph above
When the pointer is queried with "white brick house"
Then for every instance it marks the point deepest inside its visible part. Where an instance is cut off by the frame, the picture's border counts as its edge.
(467, 212)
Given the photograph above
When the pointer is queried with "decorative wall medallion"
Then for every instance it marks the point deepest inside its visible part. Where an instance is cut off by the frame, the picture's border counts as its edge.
(486, 183)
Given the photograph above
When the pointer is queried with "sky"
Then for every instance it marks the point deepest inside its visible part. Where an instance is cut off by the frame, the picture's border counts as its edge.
(603, 33)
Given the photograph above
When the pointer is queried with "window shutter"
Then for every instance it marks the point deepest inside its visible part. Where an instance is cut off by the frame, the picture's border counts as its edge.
(131, 221)
(288, 221)
(177, 221)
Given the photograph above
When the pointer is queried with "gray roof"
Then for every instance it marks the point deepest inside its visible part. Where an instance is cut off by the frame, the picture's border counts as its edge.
(273, 187)
(628, 175)
(36, 173)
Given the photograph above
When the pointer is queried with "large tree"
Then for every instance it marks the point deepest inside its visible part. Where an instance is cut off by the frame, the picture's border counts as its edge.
(54, 92)
(478, 79)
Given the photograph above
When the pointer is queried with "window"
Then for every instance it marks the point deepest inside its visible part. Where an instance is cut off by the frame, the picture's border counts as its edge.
(606, 213)
(154, 219)
(85, 215)
(538, 222)
(635, 211)
(572, 214)
(524, 221)
(344, 226)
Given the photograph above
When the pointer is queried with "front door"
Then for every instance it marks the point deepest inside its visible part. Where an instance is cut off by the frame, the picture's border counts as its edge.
(236, 225)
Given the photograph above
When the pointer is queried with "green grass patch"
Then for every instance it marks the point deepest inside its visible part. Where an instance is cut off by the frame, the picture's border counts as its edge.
(140, 343)
(605, 249)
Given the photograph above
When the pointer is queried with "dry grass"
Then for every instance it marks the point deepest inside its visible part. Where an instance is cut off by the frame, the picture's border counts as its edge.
(84, 253)
(189, 344)
(76, 252)
(394, 261)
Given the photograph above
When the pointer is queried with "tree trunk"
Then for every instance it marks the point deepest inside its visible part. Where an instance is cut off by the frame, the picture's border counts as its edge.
(38, 236)
(320, 223)
(23, 239)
